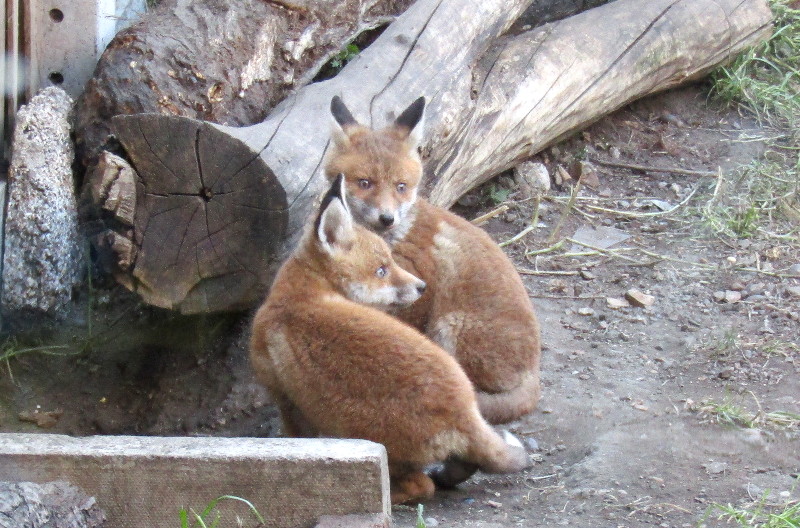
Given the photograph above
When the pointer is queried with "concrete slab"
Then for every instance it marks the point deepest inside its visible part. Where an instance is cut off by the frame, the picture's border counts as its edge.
(145, 481)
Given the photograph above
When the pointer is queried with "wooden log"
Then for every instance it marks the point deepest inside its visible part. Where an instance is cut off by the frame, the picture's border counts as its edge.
(489, 107)
(228, 62)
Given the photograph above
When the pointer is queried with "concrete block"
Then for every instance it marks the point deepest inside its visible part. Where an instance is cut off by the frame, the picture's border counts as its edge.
(68, 37)
(145, 481)
(43, 256)
(354, 521)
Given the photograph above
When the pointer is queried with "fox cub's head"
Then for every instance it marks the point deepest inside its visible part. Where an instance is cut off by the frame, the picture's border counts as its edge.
(357, 261)
(382, 167)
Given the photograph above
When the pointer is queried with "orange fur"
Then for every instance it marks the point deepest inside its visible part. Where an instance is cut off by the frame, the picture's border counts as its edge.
(343, 369)
(476, 306)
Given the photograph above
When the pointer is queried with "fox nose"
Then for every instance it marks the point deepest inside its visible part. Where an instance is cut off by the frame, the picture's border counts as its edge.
(421, 287)
(386, 219)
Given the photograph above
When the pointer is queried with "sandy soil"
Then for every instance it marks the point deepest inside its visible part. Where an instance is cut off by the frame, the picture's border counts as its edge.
(618, 438)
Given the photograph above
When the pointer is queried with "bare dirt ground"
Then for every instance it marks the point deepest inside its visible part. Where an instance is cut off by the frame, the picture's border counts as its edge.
(626, 433)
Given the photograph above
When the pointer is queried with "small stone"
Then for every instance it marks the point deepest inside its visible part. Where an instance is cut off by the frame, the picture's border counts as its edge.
(507, 182)
(586, 311)
(615, 153)
(716, 468)
(587, 174)
(562, 176)
(468, 200)
(637, 298)
(793, 290)
(533, 178)
(732, 296)
(530, 444)
(725, 373)
(584, 377)
(794, 270)
(737, 286)
(587, 275)
(430, 522)
(494, 504)
(615, 303)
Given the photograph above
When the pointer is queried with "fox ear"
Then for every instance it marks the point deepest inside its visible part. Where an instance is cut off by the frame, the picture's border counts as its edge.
(334, 225)
(409, 122)
(343, 120)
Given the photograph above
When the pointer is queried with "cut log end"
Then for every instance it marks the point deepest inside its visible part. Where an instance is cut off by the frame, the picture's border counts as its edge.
(209, 215)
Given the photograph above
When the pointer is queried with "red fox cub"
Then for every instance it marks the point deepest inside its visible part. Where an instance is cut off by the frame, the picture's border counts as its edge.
(475, 306)
(338, 366)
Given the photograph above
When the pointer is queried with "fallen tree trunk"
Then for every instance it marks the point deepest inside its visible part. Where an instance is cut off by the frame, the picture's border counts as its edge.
(228, 62)
(488, 109)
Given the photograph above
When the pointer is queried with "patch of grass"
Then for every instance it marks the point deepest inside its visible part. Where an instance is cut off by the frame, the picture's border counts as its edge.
(190, 518)
(766, 79)
(759, 514)
(729, 413)
(777, 347)
(11, 348)
(760, 198)
(763, 198)
(722, 345)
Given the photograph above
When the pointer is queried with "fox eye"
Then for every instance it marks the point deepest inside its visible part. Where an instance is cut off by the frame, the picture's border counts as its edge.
(364, 183)
(401, 187)
(381, 272)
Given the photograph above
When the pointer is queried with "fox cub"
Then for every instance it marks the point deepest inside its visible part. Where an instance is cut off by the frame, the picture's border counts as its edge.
(338, 366)
(475, 306)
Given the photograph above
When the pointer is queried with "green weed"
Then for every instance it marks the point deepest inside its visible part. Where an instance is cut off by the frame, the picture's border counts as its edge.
(729, 413)
(420, 519)
(11, 349)
(760, 514)
(341, 59)
(497, 194)
(203, 519)
(760, 198)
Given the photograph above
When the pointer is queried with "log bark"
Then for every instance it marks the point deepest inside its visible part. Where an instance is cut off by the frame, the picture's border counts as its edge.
(492, 101)
(223, 61)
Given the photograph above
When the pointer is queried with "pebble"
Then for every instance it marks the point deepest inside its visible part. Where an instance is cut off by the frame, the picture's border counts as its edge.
(533, 178)
(587, 275)
(494, 504)
(732, 296)
(793, 290)
(715, 468)
(531, 444)
(468, 200)
(737, 286)
(795, 270)
(562, 175)
(616, 303)
(638, 298)
(727, 296)
(430, 522)
(588, 175)
(615, 152)
(585, 311)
